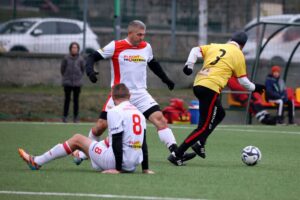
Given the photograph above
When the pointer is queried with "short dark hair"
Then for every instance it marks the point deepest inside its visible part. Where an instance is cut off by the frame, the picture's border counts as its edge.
(120, 91)
(136, 24)
(240, 37)
(74, 43)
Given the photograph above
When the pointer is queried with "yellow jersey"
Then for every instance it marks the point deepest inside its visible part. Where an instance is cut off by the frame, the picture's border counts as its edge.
(221, 61)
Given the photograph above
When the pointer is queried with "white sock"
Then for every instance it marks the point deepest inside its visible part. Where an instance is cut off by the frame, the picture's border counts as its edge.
(166, 136)
(58, 151)
(93, 136)
(82, 155)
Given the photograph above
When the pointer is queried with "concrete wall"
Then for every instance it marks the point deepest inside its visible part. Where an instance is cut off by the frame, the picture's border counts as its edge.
(30, 69)
(26, 69)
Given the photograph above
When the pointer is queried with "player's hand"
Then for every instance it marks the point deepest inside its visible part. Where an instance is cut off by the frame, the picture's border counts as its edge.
(188, 71)
(93, 77)
(170, 84)
(148, 171)
(111, 171)
(259, 88)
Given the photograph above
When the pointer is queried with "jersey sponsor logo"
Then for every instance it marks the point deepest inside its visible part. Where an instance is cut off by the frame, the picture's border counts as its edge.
(135, 59)
(114, 128)
(204, 72)
(135, 144)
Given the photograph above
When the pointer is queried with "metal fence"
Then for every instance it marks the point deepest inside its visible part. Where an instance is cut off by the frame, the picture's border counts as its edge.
(223, 17)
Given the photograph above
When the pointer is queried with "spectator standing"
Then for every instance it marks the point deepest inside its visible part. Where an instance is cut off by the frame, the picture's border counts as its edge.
(72, 70)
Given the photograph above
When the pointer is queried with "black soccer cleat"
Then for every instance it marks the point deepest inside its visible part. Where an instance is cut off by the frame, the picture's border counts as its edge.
(199, 150)
(175, 160)
(188, 156)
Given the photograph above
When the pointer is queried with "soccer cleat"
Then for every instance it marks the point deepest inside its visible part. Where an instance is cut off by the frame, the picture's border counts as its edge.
(76, 158)
(175, 160)
(29, 159)
(188, 156)
(199, 149)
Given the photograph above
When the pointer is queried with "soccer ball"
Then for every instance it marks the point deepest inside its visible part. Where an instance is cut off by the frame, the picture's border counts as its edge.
(251, 155)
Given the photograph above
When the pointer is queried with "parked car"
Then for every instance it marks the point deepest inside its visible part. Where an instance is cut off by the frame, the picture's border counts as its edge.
(279, 48)
(45, 35)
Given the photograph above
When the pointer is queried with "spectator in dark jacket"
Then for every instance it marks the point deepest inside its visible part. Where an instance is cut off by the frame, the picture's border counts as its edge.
(276, 93)
(72, 70)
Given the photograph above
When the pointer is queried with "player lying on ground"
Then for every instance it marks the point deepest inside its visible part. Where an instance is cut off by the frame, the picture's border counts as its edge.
(124, 150)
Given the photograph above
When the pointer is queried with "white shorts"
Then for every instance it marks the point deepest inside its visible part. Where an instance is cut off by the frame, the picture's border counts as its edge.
(139, 98)
(102, 157)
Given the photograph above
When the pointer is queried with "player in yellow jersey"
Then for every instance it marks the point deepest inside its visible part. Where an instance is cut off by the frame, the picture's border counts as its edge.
(221, 61)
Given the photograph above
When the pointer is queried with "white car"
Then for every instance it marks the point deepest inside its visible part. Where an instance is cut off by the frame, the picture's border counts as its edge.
(45, 35)
(280, 47)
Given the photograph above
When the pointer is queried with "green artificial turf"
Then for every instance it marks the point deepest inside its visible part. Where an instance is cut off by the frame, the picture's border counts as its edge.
(222, 175)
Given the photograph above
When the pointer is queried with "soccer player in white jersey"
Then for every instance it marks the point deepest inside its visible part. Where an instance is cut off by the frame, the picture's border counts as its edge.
(129, 59)
(123, 150)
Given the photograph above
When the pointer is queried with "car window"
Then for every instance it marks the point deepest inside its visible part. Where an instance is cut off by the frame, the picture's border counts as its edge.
(48, 28)
(16, 27)
(68, 28)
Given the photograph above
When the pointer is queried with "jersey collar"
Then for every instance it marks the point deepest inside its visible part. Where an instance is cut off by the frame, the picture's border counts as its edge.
(234, 43)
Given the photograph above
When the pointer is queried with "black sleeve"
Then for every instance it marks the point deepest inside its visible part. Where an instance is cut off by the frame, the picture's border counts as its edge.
(157, 70)
(118, 149)
(91, 59)
(145, 163)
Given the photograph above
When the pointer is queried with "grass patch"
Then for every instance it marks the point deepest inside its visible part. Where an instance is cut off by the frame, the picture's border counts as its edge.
(222, 175)
(46, 102)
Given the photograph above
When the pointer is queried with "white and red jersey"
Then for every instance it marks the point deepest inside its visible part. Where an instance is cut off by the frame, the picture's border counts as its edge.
(128, 119)
(128, 63)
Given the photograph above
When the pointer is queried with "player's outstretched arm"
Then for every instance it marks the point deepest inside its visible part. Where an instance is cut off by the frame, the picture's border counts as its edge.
(248, 85)
(158, 71)
(89, 67)
(195, 53)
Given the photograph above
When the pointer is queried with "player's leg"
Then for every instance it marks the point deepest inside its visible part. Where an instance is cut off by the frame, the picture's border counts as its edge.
(67, 91)
(207, 101)
(58, 151)
(149, 107)
(280, 110)
(76, 92)
(217, 117)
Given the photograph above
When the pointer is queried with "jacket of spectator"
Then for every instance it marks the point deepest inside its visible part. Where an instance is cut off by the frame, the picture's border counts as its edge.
(275, 88)
(72, 70)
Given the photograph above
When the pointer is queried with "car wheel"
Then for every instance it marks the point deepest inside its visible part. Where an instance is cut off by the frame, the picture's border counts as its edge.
(19, 48)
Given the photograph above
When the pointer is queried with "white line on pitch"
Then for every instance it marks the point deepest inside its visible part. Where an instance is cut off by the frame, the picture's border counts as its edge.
(224, 128)
(108, 196)
(249, 129)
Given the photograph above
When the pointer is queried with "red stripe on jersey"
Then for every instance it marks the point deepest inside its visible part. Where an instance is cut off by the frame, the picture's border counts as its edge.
(242, 76)
(106, 102)
(106, 142)
(189, 139)
(201, 52)
(122, 45)
(67, 148)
